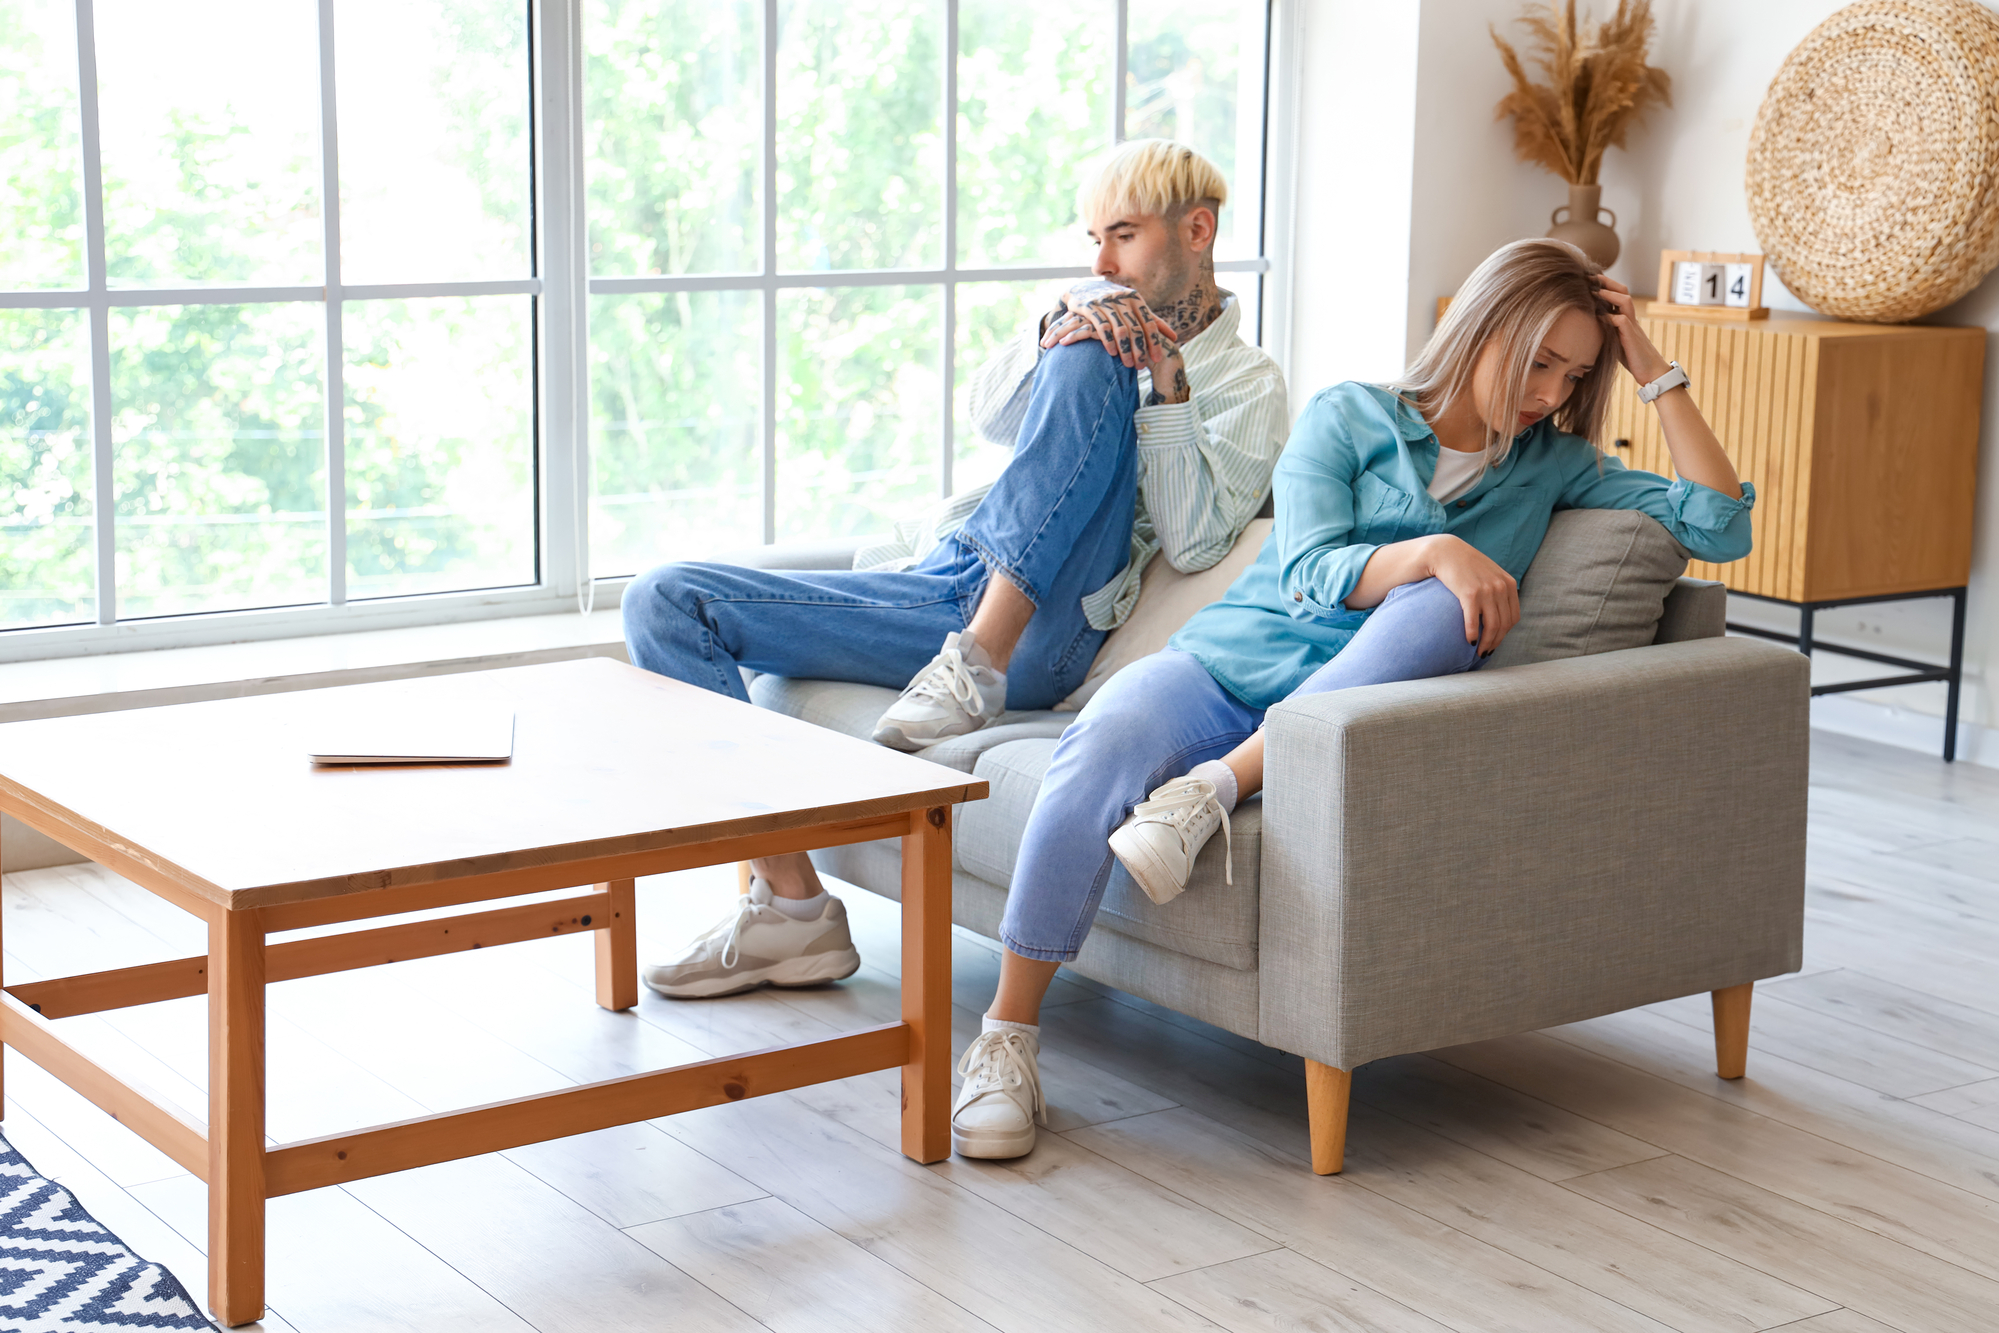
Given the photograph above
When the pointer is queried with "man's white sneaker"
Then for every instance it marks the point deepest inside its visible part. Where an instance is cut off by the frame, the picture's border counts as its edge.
(1160, 839)
(1000, 1101)
(955, 695)
(757, 945)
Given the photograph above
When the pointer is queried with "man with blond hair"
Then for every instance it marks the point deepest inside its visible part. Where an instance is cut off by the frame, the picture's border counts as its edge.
(1140, 423)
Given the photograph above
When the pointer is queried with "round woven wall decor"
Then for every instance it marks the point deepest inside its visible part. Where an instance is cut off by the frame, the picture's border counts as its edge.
(1874, 165)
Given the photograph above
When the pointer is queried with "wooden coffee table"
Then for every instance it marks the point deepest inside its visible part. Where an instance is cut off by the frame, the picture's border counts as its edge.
(616, 773)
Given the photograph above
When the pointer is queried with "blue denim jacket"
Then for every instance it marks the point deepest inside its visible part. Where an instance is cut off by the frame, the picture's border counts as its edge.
(1355, 477)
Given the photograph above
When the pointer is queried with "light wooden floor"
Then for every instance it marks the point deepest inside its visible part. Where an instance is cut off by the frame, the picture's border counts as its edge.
(1595, 1177)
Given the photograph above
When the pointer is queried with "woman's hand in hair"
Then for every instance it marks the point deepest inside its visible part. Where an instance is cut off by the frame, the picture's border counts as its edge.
(1697, 454)
(1640, 357)
(1115, 316)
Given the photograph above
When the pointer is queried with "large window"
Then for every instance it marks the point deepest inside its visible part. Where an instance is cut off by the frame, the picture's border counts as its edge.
(304, 306)
(270, 338)
(808, 224)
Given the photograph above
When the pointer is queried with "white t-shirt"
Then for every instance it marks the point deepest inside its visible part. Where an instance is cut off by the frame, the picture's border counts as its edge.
(1457, 472)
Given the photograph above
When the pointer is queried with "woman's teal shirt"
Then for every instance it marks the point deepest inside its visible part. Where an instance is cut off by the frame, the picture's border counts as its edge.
(1355, 477)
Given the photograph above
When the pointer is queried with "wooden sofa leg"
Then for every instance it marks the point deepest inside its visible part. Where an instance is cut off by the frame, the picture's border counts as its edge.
(1326, 1090)
(1731, 1029)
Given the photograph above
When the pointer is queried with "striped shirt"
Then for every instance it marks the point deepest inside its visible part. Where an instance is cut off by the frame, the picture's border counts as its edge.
(1203, 465)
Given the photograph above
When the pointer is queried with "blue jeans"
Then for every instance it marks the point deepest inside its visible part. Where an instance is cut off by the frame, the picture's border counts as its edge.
(1057, 524)
(1156, 719)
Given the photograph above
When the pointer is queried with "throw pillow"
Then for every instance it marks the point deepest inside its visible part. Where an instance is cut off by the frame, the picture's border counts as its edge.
(1167, 599)
(1598, 584)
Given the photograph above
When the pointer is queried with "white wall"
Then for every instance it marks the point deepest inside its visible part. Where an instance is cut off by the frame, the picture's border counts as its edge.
(1350, 235)
(1425, 85)
(1471, 194)
(1681, 184)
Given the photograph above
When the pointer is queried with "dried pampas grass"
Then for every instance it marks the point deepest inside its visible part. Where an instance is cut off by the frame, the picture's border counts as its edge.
(1597, 86)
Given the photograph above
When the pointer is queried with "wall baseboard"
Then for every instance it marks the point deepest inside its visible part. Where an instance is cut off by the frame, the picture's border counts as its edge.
(1903, 727)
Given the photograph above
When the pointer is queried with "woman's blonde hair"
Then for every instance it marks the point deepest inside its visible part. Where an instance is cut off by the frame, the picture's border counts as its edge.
(1156, 176)
(1513, 299)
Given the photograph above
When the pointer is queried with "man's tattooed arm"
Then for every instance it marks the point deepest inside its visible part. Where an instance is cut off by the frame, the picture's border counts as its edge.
(1173, 374)
(1169, 376)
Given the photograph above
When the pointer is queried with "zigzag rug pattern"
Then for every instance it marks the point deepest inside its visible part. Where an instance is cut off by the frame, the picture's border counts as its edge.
(62, 1272)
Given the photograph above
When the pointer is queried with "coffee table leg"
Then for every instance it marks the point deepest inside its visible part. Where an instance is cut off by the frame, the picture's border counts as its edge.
(3, 1045)
(618, 949)
(236, 1116)
(926, 985)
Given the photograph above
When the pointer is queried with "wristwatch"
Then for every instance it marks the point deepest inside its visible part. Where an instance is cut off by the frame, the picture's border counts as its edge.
(1672, 379)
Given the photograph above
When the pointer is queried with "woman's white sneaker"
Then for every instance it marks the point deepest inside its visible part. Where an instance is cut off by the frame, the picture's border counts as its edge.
(757, 945)
(1000, 1101)
(1159, 840)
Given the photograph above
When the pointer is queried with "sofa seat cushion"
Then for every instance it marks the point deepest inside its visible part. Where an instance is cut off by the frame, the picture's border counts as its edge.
(843, 706)
(1597, 585)
(1213, 921)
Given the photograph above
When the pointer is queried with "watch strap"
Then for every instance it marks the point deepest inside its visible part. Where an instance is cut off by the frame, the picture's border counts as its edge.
(1674, 377)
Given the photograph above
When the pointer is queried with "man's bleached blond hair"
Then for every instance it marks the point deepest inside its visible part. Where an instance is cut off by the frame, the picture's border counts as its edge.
(1155, 176)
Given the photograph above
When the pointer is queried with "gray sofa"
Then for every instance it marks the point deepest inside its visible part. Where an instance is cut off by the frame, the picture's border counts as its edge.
(1580, 828)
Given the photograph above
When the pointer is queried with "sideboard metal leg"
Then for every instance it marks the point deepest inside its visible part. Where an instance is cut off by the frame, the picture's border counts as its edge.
(1805, 628)
(1955, 684)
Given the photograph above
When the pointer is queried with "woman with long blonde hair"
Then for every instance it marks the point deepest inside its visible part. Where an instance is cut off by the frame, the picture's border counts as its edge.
(1406, 515)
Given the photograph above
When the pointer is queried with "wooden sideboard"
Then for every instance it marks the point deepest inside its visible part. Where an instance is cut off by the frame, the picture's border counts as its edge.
(1861, 441)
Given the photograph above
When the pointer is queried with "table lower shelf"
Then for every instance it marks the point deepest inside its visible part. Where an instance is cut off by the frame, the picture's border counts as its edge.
(339, 1158)
(447, 1136)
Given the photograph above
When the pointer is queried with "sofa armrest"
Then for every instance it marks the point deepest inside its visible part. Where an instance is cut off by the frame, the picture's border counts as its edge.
(836, 553)
(1451, 860)
(1694, 609)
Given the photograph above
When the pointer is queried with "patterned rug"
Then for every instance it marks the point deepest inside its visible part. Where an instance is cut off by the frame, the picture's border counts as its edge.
(62, 1272)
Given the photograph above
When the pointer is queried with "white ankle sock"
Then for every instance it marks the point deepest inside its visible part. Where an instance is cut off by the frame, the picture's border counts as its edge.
(1223, 777)
(991, 1024)
(802, 909)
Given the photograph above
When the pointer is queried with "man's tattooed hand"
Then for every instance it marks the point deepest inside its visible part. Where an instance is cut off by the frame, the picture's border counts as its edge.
(1115, 316)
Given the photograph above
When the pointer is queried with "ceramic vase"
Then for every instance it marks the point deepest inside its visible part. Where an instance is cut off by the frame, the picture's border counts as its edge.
(1582, 229)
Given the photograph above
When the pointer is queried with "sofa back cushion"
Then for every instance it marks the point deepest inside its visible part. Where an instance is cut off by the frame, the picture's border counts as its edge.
(1598, 584)
(1695, 609)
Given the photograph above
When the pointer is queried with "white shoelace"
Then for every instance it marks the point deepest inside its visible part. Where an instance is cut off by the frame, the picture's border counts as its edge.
(950, 676)
(998, 1061)
(1175, 806)
(730, 930)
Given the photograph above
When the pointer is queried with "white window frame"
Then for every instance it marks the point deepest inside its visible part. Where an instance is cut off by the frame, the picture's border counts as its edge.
(562, 291)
